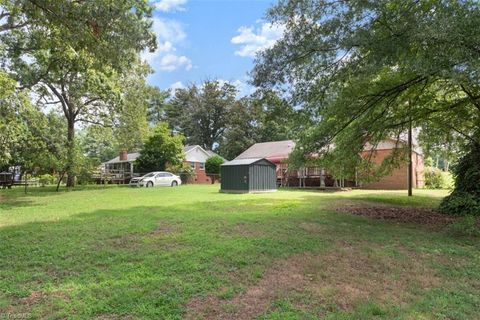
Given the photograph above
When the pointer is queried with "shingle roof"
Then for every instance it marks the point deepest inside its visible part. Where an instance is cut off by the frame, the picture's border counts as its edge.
(130, 158)
(188, 148)
(268, 150)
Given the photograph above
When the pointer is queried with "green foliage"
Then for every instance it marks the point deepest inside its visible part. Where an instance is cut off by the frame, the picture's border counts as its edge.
(184, 170)
(465, 198)
(364, 70)
(76, 64)
(132, 125)
(434, 178)
(201, 113)
(263, 116)
(467, 226)
(161, 149)
(46, 179)
(461, 203)
(99, 143)
(212, 165)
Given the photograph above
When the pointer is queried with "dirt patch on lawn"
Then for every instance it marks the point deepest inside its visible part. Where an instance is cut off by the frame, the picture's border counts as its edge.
(243, 229)
(339, 279)
(312, 227)
(400, 214)
(283, 276)
(164, 228)
(134, 240)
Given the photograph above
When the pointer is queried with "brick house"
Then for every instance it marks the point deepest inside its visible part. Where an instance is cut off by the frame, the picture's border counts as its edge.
(279, 151)
(121, 169)
(398, 178)
(195, 157)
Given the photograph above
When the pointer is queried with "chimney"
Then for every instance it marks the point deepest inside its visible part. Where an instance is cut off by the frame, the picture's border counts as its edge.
(123, 155)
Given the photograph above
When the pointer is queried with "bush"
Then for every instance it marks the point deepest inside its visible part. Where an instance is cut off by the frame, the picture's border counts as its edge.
(212, 166)
(184, 170)
(467, 226)
(461, 203)
(434, 178)
(46, 179)
(465, 198)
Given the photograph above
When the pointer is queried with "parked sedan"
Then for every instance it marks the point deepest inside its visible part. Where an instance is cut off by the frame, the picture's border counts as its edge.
(156, 179)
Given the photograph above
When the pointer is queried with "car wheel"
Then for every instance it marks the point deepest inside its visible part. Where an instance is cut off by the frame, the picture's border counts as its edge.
(149, 184)
(174, 183)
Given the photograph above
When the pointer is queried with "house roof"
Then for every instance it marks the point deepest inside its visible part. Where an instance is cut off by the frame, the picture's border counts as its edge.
(130, 158)
(275, 150)
(189, 148)
(240, 162)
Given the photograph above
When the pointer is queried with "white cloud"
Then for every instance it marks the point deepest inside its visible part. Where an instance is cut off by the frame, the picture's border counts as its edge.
(169, 34)
(169, 5)
(171, 62)
(253, 40)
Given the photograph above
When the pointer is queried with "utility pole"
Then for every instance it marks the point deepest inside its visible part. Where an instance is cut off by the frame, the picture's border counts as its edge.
(410, 162)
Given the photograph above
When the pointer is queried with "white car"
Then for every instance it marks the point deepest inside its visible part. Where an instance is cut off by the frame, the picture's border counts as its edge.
(156, 179)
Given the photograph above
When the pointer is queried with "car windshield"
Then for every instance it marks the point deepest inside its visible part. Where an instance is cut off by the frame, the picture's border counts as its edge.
(148, 175)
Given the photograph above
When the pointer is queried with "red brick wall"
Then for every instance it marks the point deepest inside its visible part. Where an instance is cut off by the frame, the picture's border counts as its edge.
(200, 175)
(398, 179)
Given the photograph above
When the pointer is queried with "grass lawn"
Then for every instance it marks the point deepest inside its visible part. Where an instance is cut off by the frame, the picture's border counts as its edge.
(190, 252)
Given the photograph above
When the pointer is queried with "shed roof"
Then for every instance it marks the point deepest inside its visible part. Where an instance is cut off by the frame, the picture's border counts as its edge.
(244, 162)
(274, 149)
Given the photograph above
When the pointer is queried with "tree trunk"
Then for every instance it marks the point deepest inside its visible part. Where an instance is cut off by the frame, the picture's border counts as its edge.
(410, 162)
(60, 180)
(70, 168)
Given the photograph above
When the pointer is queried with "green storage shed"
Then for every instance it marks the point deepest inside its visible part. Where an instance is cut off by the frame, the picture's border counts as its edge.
(248, 175)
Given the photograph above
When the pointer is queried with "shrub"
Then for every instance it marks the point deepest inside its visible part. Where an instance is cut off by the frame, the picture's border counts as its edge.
(46, 179)
(184, 170)
(434, 178)
(467, 226)
(461, 203)
(465, 198)
(212, 166)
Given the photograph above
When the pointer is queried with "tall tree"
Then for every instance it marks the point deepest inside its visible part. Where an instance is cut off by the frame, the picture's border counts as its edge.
(241, 128)
(201, 113)
(72, 54)
(160, 150)
(157, 105)
(131, 126)
(364, 70)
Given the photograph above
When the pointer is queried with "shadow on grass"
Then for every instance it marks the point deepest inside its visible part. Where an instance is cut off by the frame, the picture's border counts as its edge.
(148, 261)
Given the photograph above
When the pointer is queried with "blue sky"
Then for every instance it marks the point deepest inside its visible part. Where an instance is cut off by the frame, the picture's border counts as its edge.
(207, 39)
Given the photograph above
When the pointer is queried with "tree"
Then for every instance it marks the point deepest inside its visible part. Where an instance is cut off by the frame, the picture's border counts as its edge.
(157, 104)
(201, 113)
(276, 118)
(98, 143)
(261, 117)
(161, 149)
(212, 165)
(131, 126)
(365, 71)
(76, 63)
(241, 128)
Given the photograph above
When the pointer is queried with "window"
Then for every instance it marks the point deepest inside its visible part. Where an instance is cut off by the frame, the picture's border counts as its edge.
(202, 165)
(192, 165)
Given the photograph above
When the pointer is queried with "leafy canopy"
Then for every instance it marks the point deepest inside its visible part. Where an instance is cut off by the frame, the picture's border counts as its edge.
(364, 69)
(161, 149)
(212, 165)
